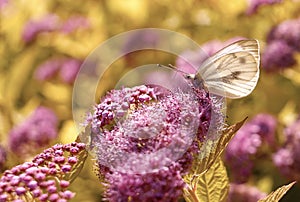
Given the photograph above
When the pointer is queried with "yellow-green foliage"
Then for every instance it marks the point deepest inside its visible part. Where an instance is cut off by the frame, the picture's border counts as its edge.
(203, 20)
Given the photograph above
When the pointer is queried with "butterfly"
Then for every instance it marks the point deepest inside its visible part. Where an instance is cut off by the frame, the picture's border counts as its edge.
(232, 72)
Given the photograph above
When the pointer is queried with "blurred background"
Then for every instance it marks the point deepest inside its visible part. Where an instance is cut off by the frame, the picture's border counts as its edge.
(44, 43)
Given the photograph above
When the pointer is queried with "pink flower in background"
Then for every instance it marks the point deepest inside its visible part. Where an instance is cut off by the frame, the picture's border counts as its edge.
(50, 23)
(3, 3)
(139, 41)
(288, 31)
(74, 23)
(265, 126)
(277, 55)
(287, 158)
(69, 69)
(283, 159)
(48, 69)
(189, 61)
(246, 143)
(254, 5)
(283, 42)
(36, 132)
(66, 68)
(32, 28)
(245, 193)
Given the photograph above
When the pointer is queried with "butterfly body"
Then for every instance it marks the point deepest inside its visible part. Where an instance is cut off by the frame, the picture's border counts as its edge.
(196, 80)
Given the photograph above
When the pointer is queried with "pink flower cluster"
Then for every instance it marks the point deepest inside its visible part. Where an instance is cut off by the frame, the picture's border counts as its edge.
(189, 61)
(66, 68)
(50, 23)
(245, 193)
(46, 178)
(254, 5)
(287, 157)
(245, 145)
(283, 41)
(36, 132)
(131, 126)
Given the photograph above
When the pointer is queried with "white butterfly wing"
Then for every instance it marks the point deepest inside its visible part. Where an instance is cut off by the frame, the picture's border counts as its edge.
(233, 71)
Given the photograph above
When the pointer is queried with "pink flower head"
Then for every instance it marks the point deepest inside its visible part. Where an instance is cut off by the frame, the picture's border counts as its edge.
(32, 28)
(277, 55)
(3, 3)
(283, 42)
(74, 23)
(245, 193)
(189, 61)
(48, 69)
(43, 179)
(67, 68)
(246, 143)
(144, 140)
(287, 158)
(254, 5)
(34, 133)
(288, 31)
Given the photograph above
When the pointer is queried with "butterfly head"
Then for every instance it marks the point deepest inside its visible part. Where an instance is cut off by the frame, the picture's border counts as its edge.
(190, 76)
(196, 80)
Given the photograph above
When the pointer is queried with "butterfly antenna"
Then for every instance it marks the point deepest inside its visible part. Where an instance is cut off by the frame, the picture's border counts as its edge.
(173, 68)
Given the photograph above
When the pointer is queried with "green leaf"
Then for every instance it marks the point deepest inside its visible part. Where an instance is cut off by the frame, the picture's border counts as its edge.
(212, 185)
(213, 149)
(276, 195)
(207, 179)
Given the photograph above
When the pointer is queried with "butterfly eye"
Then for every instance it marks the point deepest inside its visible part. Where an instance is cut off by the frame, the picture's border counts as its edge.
(189, 76)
